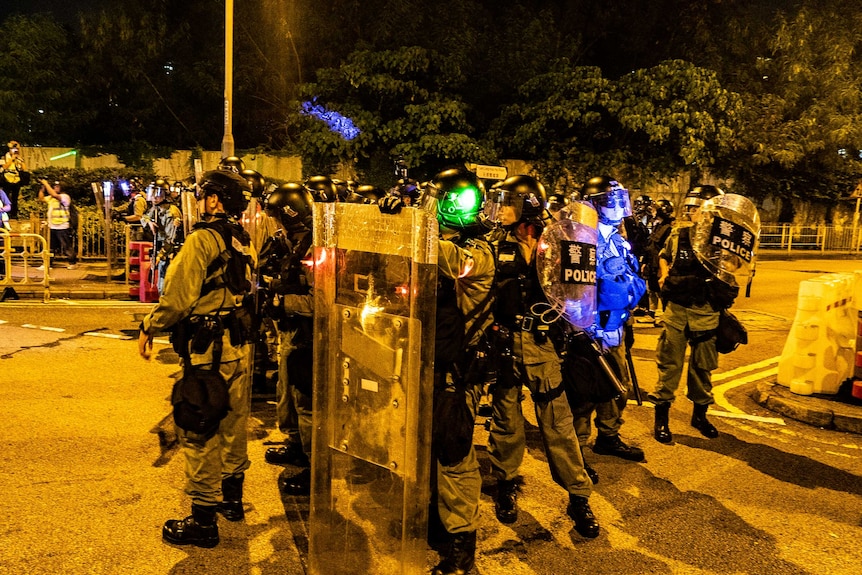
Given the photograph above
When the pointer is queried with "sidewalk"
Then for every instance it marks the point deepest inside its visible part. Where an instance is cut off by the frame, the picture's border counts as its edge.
(89, 281)
(819, 411)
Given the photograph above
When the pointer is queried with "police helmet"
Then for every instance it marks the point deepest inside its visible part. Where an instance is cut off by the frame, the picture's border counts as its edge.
(700, 193)
(158, 190)
(408, 190)
(344, 189)
(557, 201)
(664, 208)
(524, 194)
(255, 180)
(231, 164)
(642, 204)
(322, 189)
(609, 197)
(370, 193)
(177, 188)
(233, 190)
(291, 203)
(455, 197)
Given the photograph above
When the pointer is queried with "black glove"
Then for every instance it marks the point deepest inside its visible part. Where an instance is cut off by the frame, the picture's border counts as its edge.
(390, 204)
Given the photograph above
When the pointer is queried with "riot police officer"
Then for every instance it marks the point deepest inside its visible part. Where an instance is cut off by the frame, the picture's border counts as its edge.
(528, 358)
(203, 304)
(165, 221)
(289, 303)
(661, 227)
(690, 319)
(619, 288)
(465, 277)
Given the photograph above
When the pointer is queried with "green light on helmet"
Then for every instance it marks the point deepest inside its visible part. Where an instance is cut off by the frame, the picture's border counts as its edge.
(460, 207)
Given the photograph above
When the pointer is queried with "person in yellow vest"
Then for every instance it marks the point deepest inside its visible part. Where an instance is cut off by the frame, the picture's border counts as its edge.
(13, 174)
(58, 220)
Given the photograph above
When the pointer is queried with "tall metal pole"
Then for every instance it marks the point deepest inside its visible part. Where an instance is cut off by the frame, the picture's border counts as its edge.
(856, 226)
(227, 144)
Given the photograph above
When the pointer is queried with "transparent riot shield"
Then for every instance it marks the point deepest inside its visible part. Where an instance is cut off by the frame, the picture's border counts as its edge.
(374, 299)
(566, 262)
(189, 208)
(725, 237)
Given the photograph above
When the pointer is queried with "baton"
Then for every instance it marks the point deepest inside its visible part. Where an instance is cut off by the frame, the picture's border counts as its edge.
(634, 375)
(629, 341)
(603, 363)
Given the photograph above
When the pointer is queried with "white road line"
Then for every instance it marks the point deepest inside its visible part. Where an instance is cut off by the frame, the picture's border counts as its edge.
(43, 328)
(107, 335)
(761, 419)
(745, 369)
(162, 340)
(2, 321)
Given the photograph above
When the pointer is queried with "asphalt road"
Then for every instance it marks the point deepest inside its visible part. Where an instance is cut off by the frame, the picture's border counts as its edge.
(87, 483)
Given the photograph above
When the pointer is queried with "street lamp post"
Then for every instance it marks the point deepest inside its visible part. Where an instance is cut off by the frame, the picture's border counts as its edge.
(227, 144)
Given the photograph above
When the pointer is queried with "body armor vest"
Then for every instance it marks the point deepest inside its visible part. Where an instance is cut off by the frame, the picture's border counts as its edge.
(686, 281)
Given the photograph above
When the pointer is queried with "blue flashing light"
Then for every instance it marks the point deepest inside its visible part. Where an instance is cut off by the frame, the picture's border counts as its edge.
(339, 124)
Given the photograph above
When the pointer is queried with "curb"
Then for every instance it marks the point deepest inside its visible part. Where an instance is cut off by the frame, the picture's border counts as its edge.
(812, 410)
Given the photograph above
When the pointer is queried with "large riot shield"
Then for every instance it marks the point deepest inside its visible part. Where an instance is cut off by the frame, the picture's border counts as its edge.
(374, 299)
(566, 262)
(725, 237)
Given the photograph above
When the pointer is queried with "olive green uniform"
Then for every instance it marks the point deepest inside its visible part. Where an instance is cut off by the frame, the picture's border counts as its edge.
(471, 264)
(536, 365)
(689, 319)
(208, 461)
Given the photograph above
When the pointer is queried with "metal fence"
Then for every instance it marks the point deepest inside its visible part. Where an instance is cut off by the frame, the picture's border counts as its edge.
(787, 237)
(790, 237)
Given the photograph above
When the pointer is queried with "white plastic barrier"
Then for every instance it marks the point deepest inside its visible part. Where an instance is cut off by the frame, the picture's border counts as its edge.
(819, 354)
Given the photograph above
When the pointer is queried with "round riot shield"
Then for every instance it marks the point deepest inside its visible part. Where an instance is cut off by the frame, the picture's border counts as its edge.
(725, 237)
(566, 263)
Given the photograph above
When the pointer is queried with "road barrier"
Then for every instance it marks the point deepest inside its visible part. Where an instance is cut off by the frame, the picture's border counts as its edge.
(22, 254)
(819, 354)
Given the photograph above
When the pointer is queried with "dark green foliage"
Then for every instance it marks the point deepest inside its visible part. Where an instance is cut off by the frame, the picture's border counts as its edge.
(763, 93)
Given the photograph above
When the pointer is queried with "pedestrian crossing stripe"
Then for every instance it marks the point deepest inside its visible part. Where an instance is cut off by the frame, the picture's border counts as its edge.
(43, 328)
(106, 335)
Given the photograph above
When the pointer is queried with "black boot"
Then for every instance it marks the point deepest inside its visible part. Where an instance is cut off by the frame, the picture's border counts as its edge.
(613, 445)
(460, 557)
(199, 528)
(231, 505)
(580, 512)
(662, 431)
(290, 454)
(506, 502)
(299, 484)
(701, 423)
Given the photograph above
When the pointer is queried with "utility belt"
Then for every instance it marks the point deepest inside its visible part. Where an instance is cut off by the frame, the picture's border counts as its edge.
(196, 333)
(529, 322)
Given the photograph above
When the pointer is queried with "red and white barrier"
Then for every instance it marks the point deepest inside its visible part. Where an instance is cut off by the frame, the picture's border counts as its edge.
(821, 350)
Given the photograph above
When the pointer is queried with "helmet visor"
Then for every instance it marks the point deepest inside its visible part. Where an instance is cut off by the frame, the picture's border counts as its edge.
(613, 205)
(505, 206)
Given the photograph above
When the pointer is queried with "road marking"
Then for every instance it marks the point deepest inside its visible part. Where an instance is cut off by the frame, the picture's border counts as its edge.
(43, 328)
(761, 419)
(107, 335)
(745, 369)
(756, 372)
(2, 321)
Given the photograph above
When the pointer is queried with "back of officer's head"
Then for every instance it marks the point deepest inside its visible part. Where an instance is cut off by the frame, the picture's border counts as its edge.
(233, 191)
